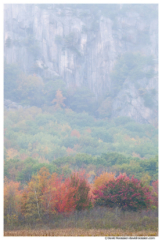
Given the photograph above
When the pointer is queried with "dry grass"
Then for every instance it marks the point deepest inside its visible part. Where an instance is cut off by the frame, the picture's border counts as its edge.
(94, 222)
(79, 232)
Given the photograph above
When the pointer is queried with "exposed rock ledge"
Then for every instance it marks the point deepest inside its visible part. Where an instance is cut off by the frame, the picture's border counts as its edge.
(8, 104)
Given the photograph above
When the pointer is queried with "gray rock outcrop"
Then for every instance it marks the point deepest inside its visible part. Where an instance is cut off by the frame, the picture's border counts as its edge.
(82, 48)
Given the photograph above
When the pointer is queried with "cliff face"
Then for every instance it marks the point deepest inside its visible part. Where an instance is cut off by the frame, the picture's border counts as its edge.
(83, 47)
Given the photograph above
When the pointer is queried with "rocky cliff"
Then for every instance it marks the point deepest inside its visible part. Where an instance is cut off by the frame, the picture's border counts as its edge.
(86, 45)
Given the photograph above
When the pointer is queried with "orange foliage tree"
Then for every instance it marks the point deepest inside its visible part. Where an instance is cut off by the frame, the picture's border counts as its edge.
(102, 179)
(59, 100)
(72, 193)
(65, 201)
(12, 198)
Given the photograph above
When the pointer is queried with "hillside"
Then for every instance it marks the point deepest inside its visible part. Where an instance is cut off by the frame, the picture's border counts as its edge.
(104, 58)
(80, 119)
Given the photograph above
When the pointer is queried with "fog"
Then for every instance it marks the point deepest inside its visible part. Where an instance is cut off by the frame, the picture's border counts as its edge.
(80, 95)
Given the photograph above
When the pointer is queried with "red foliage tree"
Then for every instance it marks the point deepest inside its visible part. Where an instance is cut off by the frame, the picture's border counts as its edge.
(65, 197)
(60, 195)
(126, 193)
(47, 194)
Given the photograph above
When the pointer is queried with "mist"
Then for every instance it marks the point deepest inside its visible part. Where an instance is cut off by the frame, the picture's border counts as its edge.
(80, 109)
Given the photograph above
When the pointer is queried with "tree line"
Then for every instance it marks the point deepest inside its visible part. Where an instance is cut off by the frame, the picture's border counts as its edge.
(47, 195)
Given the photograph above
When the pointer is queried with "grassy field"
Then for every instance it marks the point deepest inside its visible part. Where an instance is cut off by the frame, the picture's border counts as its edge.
(80, 232)
(94, 222)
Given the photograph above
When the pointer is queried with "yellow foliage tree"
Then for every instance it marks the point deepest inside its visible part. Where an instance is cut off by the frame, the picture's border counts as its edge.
(36, 196)
(102, 179)
(146, 178)
(58, 101)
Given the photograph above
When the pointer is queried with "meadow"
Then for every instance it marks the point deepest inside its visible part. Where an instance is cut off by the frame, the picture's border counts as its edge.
(94, 222)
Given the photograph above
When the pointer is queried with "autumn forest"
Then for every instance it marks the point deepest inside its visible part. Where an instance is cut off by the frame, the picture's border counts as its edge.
(58, 162)
(80, 120)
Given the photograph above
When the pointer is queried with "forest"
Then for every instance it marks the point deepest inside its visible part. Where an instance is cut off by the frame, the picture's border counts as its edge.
(58, 161)
(77, 161)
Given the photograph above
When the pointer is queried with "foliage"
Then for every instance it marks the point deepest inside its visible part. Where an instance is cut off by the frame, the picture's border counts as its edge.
(79, 181)
(70, 40)
(131, 66)
(59, 133)
(70, 141)
(75, 133)
(12, 168)
(154, 196)
(65, 196)
(126, 193)
(46, 195)
(33, 46)
(30, 131)
(12, 198)
(22, 171)
(81, 99)
(102, 134)
(139, 168)
(30, 89)
(44, 136)
(36, 197)
(104, 109)
(58, 101)
(122, 121)
(151, 166)
(51, 86)
(11, 153)
(103, 179)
